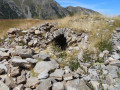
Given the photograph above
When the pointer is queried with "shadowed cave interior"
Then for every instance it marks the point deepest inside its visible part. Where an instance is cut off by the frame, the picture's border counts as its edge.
(60, 41)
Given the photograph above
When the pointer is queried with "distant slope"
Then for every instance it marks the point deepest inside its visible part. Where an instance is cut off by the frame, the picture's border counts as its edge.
(43, 9)
(79, 10)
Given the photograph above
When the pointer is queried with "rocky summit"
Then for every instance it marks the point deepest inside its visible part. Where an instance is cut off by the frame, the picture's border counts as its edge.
(48, 58)
(42, 9)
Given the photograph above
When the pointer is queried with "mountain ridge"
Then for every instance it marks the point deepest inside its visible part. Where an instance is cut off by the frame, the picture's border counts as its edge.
(42, 9)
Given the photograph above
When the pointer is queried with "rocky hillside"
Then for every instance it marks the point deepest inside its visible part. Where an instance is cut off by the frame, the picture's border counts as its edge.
(43, 9)
(48, 58)
(79, 10)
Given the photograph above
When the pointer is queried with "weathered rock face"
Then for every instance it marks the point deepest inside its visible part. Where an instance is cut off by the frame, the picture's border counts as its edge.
(43, 9)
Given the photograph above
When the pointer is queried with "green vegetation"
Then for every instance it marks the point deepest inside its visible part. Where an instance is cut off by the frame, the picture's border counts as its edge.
(62, 55)
(118, 74)
(104, 45)
(22, 43)
(89, 85)
(74, 64)
(87, 56)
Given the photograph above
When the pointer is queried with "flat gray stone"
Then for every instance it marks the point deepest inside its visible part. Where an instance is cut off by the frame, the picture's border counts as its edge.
(58, 86)
(21, 79)
(58, 74)
(45, 66)
(30, 60)
(15, 71)
(19, 87)
(10, 82)
(68, 76)
(115, 56)
(44, 85)
(32, 82)
(43, 75)
(115, 63)
(76, 84)
(113, 71)
(21, 62)
(3, 86)
(44, 56)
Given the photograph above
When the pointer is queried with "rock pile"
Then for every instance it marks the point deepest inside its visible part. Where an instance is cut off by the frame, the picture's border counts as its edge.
(43, 35)
(25, 65)
(22, 67)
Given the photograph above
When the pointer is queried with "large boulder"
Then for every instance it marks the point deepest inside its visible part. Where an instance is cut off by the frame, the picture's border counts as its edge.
(25, 53)
(76, 84)
(45, 66)
(25, 63)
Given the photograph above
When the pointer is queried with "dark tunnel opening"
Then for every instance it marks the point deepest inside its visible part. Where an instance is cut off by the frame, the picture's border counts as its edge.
(61, 42)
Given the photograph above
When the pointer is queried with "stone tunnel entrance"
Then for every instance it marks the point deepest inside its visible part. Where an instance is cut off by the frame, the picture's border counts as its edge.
(61, 41)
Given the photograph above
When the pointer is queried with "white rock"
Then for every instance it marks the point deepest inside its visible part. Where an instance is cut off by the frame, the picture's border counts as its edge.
(58, 86)
(68, 76)
(44, 85)
(67, 69)
(43, 67)
(43, 75)
(37, 32)
(115, 63)
(30, 60)
(115, 56)
(32, 82)
(3, 86)
(76, 84)
(58, 74)
(19, 87)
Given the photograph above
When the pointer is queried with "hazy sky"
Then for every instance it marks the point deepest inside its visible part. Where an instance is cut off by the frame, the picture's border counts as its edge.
(108, 7)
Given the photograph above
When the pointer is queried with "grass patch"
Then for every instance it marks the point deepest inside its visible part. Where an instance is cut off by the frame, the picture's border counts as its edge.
(23, 24)
(87, 56)
(104, 45)
(98, 27)
(62, 55)
(74, 64)
(89, 85)
(3, 39)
